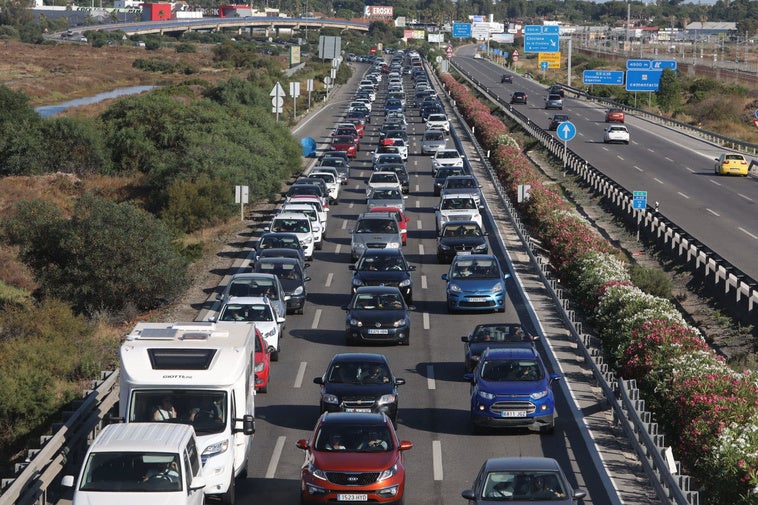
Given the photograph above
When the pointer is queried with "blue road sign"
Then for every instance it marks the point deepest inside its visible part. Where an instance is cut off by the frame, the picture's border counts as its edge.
(661, 64)
(643, 80)
(544, 65)
(639, 199)
(544, 43)
(566, 131)
(613, 77)
(462, 30)
(637, 64)
(756, 113)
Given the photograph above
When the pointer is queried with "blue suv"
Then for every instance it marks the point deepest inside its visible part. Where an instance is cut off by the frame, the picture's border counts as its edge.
(511, 388)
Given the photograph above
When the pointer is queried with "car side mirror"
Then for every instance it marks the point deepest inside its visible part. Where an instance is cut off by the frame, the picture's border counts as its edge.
(318, 380)
(213, 319)
(307, 279)
(219, 296)
(469, 377)
(345, 308)
(464, 339)
(444, 277)
(411, 267)
(307, 265)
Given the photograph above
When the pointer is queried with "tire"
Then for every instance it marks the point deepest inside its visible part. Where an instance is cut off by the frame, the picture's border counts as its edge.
(274, 355)
(549, 429)
(320, 244)
(228, 498)
(263, 390)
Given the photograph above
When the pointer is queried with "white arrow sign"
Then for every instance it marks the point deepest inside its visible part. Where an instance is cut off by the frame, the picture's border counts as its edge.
(277, 91)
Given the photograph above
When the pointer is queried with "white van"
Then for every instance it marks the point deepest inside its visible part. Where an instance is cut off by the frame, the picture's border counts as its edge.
(140, 463)
(200, 374)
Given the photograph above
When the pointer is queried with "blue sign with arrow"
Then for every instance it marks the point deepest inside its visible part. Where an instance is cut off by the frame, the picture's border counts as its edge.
(566, 131)
(639, 199)
(541, 38)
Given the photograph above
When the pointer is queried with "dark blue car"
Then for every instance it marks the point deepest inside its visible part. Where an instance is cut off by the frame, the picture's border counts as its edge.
(511, 388)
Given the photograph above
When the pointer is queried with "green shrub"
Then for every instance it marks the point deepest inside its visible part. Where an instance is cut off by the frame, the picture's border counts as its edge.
(186, 47)
(652, 281)
(193, 205)
(155, 65)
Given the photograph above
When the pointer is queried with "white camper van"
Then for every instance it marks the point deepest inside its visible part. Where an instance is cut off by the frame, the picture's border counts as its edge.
(140, 463)
(201, 374)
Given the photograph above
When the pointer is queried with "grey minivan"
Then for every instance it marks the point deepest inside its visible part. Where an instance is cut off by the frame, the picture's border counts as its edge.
(374, 230)
(433, 141)
(257, 284)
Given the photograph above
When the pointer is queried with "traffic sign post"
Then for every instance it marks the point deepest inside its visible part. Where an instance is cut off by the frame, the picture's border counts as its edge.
(278, 99)
(639, 202)
(566, 131)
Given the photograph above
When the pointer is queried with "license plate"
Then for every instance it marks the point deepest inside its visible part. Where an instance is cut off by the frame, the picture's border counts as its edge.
(462, 253)
(377, 331)
(513, 413)
(477, 299)
(352, 497)
(360, 411)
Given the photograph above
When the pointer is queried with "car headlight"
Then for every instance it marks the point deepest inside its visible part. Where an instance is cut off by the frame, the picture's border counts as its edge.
(316, 472)
(298, 291)
(497, 288)
(259, 366)
(214, 449)
(538, 395)
(356, 322)
(385, 399)
(393, 245)
(307, 241)
(480, 247)
(270, 333)
(405, 282)
(486, 395)
(329, 398)
(357, 282)
(453, 287)
(388, 473)
(444, 247)
(399, 323)
(359, 246)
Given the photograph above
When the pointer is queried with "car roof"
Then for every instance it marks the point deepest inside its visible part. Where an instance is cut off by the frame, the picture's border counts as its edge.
(521, 463)
(359, 356)
(248, 300)
(278, 260)
(461, 223)
(510, 353)
(376, 215)
(282, 234)
(388, 210)
(382, 252)
(353, 418)
(377, 289)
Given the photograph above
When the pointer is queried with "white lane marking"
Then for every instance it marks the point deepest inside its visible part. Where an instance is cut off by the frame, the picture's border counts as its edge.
(426, 320)
(316, 318)
(437, 459)
(657, 180)
(300, 375)
(638, 168)
(712, 212)
(351, 205)
(743, 230)
(620, 157)
(271, 470)
(329, 279)
(714, 182)
(421, 249)
(689, 170)
(682, 194)
(337, 249)
(344, 224)
(745, 197)
(418, 203)
(668, 159)
(418, 188)
(430, 383)
(423, 282)
(419, 225)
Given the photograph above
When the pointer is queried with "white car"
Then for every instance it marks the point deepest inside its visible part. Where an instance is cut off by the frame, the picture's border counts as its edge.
(303, 208)
(616, 134)
(360, 101)
(333, 184)
(300, 225)
(457, 207)
(315, 202)
(382, 180)
(258, 310)
(396, 115)
(446, 158)
(438, 122)
(401, 145)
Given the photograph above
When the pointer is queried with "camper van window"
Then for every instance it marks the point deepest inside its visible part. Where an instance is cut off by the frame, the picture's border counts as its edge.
(205, 410)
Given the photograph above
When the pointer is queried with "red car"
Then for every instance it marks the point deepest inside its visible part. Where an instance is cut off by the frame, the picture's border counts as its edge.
(402, 220)
(614, 116)
(346, 143)
(262, 363)
(346, 129)
(358, 122)
(353, 457)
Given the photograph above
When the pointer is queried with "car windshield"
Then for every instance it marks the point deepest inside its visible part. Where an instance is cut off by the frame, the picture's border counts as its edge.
(499, 333)
(377, 226)
(381, 264)
(390, 158)
(283, 271)
(434, 136)
(354, 438)
(461, 230)
(253, 287)
(371, 301)
(279, 242)
(291, 225)
(359, 373)
(458, 203)
(502, 370)
(386, 194)
(379, 177)
(139, 472)
(523, 486)
(448, 155)
(475, 269)
(246, 312)
(461, 183)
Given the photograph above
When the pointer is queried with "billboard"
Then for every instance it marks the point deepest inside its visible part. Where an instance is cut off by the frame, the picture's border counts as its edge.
(414, 34)
(379, 11)
(329, 48)
(294, 55)
(553, 60)
(439, 38)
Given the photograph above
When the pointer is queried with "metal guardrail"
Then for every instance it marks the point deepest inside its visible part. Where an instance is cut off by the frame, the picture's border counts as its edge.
(628, 410)
(38, 478)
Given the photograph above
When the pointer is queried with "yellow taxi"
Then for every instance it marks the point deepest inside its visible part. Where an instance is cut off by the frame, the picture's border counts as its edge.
(730, 163)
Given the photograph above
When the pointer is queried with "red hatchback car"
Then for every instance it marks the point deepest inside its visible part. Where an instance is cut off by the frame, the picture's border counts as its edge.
(402, 220)
(262, 363)
(353, 457)
(346, 143)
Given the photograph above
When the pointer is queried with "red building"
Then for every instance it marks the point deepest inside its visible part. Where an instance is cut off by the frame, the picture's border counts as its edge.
(156, 12)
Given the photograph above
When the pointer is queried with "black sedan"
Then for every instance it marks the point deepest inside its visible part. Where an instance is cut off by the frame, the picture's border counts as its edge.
(442, 174)
(384, 267)
(506, 78)
(557, 119)
(460, 237)
(359, 382)
(277, 240)
(519, 97)
(292, 277)
(495, 335)
(377, 314)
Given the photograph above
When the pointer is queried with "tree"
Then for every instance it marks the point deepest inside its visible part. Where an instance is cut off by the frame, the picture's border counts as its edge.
(669, 91)
(75, 146)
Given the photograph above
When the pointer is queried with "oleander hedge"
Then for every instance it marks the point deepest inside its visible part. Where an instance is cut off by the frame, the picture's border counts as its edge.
(708, 411)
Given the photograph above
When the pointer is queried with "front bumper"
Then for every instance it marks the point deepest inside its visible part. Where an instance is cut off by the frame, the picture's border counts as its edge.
(475, 301)
(378, 335)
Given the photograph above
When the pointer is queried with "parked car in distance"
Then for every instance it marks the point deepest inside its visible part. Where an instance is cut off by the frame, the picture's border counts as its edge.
(494, 335)
(384, 267)
(292, 277)
(616, 134)
(557, 119)
(614, 116)
(342, 442)
(475, 282)
(511, 388)
(360, 383)
(519, 97)
(732, 163)
(460, 237)
(533, 480)
(377, 314)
